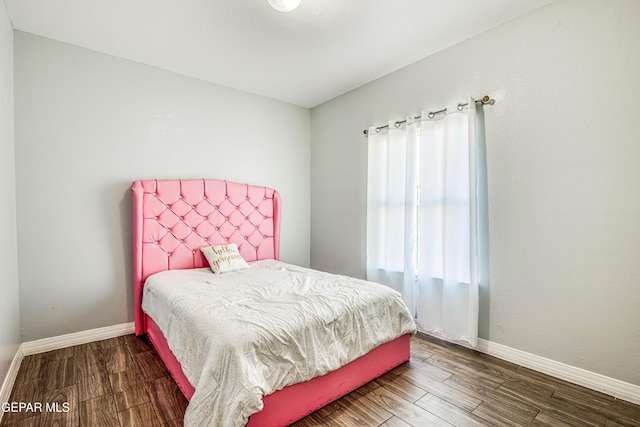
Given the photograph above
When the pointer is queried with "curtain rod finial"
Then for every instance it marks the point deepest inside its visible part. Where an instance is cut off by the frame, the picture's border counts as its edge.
(488, 100)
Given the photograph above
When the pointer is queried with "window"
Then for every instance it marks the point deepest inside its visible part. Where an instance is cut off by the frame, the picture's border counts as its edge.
(421, 219)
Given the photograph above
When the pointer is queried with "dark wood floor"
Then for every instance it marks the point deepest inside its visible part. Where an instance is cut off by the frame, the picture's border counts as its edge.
(101, 384)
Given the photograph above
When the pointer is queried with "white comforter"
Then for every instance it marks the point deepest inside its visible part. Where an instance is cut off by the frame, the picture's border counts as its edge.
(242, 335)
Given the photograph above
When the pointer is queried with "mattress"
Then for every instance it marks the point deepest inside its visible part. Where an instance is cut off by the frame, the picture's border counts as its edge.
(242, 335)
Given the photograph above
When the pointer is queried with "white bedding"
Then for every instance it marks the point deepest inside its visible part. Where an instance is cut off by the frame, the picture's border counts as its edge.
(242, 335)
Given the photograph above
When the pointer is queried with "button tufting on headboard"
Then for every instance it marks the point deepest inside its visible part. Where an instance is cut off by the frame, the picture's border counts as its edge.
(173, 219)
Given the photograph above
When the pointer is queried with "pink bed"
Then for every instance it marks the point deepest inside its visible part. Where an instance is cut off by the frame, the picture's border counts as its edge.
(173, 219)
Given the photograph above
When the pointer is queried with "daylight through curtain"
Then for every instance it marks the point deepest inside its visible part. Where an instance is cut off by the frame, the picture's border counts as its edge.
(423, 222)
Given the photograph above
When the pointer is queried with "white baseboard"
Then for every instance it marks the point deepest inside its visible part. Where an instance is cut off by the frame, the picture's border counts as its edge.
(77, 338)
(611, 386)
(10, 378)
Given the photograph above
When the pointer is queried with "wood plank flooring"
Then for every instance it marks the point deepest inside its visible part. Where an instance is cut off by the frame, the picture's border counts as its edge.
(102, 384)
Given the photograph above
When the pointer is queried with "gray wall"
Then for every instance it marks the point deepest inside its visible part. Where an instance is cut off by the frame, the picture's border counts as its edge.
(563, 169)
(86, 126)
(9, 303)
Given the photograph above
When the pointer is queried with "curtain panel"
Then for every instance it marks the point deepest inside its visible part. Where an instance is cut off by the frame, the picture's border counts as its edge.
(426, 224)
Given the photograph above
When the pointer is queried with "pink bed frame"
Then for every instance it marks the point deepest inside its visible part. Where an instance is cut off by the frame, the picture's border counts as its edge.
(173, 219)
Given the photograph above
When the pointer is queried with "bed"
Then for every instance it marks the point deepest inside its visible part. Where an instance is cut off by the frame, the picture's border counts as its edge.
(172, 220)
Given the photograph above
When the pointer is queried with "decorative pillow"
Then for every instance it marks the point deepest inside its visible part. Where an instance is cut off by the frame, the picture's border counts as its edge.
(224, 258)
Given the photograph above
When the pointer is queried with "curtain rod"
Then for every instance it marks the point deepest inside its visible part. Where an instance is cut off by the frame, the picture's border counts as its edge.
(485, 100)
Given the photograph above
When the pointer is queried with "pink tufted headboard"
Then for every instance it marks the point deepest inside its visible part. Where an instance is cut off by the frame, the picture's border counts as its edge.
(173, 219)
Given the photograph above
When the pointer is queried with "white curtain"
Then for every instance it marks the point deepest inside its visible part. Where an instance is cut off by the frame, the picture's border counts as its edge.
(423, 218)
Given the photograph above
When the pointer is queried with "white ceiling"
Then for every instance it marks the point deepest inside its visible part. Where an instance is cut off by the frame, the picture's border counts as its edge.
(305, 57)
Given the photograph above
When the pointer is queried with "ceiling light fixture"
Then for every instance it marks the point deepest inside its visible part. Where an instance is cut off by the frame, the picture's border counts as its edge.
(284, 5)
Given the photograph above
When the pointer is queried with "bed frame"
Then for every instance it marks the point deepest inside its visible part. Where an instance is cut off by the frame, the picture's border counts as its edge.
(173, 219)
